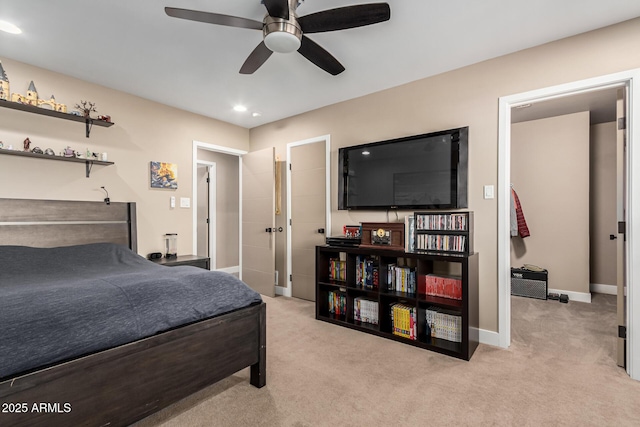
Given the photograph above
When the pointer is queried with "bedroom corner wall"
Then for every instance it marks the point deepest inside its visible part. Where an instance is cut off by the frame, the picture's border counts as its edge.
(464, 97)
(144, 131)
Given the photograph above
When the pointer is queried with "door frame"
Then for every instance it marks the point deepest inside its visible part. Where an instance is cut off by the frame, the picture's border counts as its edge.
(194, 191)
(287, 291)
(211, 171)
(631, 79)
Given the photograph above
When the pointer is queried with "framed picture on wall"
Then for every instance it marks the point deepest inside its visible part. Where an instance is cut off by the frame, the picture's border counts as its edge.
(164, 175)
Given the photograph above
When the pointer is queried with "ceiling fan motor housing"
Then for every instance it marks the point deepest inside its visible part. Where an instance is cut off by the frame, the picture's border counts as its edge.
(282, 35)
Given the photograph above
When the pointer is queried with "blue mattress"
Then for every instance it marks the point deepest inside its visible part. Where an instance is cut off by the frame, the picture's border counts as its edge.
(60, 303)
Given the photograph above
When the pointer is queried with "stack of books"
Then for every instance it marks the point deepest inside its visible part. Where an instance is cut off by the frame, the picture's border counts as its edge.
(403, 321)
(337, 269)
(443, 324)
(401, 279)
(440, 286)
(337, 303)
(367, 273)
(365, 310)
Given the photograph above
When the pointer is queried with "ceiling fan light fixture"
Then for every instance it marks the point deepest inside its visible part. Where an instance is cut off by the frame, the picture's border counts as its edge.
(282, 42)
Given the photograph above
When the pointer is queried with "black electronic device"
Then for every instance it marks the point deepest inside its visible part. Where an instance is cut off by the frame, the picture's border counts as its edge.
(564, 298)
(154, 255)
(343, 241)
(427, 171)
(553, 296)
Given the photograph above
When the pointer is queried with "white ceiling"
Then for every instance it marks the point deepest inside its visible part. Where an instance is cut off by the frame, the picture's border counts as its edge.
(133, 46)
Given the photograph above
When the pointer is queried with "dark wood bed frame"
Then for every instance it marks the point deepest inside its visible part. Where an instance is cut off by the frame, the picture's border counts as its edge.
(121, 385)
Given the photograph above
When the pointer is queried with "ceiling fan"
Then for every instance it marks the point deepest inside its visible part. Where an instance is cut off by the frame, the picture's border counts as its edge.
(283, 31)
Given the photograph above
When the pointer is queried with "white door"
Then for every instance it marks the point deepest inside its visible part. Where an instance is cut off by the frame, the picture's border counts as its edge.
(308, 214)
(258, 220)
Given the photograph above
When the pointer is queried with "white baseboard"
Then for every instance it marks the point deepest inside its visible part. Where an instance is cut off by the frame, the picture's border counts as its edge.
(489, 337)
(281, 290)
(603, 289)
(230, 270)
(573, 296)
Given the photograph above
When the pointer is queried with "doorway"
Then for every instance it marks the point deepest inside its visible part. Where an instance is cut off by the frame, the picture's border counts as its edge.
(206, 211)
(624, 79)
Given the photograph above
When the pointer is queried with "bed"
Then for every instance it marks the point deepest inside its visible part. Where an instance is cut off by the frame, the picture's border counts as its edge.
(143, 336)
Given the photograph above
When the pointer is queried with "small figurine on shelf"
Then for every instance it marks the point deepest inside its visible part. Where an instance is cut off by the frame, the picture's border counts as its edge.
(49, 152)
(105, 118)
(68, 152)
(86, 108)
(37, 150)
(26, 144)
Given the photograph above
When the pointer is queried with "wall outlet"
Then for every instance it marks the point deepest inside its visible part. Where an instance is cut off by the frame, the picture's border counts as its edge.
(185, 202)
(172, 202)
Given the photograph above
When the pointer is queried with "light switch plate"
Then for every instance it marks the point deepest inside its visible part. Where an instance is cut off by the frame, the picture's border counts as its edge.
(488, 192)
(172, 202)
(185, 202)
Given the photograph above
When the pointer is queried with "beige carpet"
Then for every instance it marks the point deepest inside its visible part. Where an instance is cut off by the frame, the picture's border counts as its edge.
(559, 370)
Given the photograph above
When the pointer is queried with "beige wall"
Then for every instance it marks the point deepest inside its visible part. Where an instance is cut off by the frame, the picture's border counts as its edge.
(464, 97)
(227, 206)
(603, 203)
(144, 131)
(550, 174)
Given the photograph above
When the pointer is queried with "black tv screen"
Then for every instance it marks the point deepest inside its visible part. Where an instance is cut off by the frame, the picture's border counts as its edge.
(426, 171)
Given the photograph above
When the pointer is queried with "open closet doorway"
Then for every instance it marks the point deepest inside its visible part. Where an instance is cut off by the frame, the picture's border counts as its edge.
(219, 201)
(620, 80)
(206, 211)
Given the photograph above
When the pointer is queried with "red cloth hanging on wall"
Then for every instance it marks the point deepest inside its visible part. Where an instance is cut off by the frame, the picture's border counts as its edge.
(523, 230)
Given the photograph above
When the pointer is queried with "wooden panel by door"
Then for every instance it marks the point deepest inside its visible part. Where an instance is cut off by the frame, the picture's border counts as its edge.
(258, 216)
(308, 215)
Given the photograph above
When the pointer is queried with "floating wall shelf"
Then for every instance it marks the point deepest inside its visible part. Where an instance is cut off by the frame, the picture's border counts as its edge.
(57, 114)
(88, 162)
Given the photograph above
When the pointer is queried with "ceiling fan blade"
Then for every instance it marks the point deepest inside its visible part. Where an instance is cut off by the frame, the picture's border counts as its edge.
(213, 18)
(323, 59)
(277, 8)
(346, 17)
(255, 60)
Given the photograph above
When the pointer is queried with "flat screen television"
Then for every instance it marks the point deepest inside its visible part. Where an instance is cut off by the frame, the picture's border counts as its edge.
(426, 171)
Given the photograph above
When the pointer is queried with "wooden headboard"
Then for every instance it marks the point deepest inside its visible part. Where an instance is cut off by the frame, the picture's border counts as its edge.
(50, 223)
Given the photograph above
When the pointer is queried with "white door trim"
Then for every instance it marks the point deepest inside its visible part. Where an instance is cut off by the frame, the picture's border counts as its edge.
(194, 190)
(632, 79)
(286, 291)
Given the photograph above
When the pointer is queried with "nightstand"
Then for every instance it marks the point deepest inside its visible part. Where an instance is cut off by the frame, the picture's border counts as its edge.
(192, 260)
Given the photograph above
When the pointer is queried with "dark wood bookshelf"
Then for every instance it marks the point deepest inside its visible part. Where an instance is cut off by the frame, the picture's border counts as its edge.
(424, 263)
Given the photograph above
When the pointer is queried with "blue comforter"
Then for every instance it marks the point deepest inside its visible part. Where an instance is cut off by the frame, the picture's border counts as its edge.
(60, 303)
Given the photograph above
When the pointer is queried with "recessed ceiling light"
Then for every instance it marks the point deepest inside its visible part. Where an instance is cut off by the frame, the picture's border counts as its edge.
(256, 114)
(366, 153)
(8, 27)
(240, 108)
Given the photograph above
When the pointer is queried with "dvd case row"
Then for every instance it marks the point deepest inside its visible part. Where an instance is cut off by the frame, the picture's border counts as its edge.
(440, 242)
(442, 222)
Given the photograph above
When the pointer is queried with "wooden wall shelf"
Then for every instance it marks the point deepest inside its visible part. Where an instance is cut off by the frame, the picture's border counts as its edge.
(88, 162)
(57, 114)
